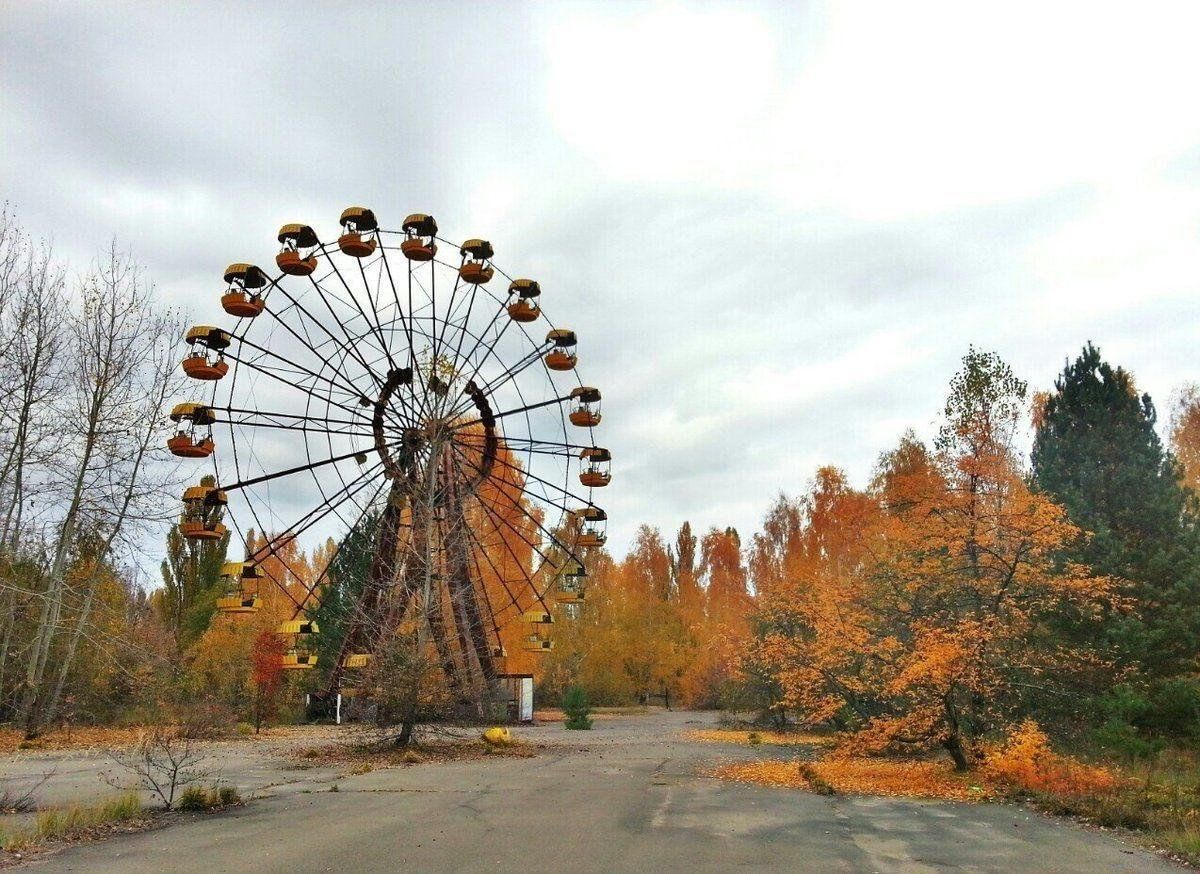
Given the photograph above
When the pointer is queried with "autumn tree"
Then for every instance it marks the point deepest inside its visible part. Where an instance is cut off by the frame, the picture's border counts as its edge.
(266, 676)
(928, 629)
(1185, 434)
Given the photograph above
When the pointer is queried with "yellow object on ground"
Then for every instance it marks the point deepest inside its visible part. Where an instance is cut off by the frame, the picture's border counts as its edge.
(498, 736)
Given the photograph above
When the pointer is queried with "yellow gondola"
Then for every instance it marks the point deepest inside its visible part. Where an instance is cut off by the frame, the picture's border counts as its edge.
(187, 442)
(299, 656)
(586, 411)
(596, 472)
(203, 339)
(241, 587)
(203, 508)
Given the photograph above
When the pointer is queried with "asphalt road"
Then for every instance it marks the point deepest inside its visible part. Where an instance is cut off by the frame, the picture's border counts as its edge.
(625, 797)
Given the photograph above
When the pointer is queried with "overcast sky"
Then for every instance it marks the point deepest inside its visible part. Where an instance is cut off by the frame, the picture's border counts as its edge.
(776, 228)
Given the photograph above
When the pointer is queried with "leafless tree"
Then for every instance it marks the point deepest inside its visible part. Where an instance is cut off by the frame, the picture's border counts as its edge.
(121, 351)
(163, 763)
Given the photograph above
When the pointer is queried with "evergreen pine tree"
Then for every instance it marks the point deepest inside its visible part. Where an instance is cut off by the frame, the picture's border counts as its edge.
(347, 575)
(1096, 453)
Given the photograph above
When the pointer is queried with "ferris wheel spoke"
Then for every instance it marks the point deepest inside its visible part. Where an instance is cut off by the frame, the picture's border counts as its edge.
(242, 411)
(348, 345)
(480, 549)
(539, 479)
(302, 428)
(273, 546)
(511, 373)
(516, 559)
(301, 468)
(502, 308)
(400, 311)
(515, 501)
(449, 312)
(350, 392)
(324, 575)
(509, 439)
(525, 409)
(292, 384)
(354, 300)
(378, 326)
(307, 343)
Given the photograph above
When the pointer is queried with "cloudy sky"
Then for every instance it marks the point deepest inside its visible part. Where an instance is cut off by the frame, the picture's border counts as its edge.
(776, 228)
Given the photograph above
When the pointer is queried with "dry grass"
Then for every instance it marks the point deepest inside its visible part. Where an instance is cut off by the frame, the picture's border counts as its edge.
(77, 821)
(770, 738)
(555, 714)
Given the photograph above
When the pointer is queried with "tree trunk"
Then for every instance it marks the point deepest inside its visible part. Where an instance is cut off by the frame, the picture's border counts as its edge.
(954, 746)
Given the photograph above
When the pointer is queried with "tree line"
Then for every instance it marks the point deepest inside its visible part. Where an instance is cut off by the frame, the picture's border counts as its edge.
(978, 579)
(971, 584)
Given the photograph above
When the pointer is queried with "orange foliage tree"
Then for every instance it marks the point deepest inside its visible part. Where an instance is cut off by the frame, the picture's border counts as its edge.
(912, 614)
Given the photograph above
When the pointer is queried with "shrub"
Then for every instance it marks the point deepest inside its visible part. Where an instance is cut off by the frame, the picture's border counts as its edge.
(193, 799)
(575, 706)
(228, 795)
(816, 782)
(1121, 738)
(754, 738)
(1026, 762)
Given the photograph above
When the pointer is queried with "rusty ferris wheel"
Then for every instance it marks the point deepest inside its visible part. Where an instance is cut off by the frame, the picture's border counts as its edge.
(385, 375)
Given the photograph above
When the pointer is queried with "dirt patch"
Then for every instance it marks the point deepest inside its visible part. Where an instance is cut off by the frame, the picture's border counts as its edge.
(359, 758)
(753, 737)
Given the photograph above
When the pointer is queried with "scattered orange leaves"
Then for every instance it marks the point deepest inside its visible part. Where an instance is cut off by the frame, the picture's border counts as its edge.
(83, 737)
(772, 738)
(864, 776)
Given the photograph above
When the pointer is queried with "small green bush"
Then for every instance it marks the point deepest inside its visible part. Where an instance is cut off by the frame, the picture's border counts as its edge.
(227, 795)
(815, 782)
(194, 798)
(575, 706)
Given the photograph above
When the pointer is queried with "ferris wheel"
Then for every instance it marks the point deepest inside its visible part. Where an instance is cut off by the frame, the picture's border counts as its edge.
(395, 378)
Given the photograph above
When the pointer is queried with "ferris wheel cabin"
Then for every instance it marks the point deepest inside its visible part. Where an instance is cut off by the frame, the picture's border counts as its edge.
(359, 231)
(298, 633)
(475, 268)
(597, 467)
(419, 243)
(298, 255)
(525, 308)
(585, 413)
(562, 356)
(242, 297)
(203, 508)
(187, 441)
(538, 639)
(204, 339)
(570, 585)
(241, 587)
(593, 529)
